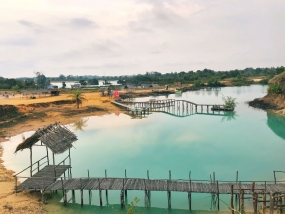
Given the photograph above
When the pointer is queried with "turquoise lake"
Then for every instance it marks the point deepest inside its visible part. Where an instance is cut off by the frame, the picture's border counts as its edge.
(251, 142)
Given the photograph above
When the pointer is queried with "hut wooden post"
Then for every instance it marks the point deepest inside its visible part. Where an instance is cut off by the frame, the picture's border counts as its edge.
(31, 162)
(43, 191)
(63, 193)
(47, 155)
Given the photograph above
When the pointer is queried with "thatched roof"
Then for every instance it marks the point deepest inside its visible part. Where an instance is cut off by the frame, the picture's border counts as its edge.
(55, 136)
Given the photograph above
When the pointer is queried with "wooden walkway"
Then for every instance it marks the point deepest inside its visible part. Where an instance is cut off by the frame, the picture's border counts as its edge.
(43, 178)
(178, 108)
(161, 185)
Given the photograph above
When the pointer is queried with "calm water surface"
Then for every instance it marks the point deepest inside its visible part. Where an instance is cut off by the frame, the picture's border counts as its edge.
(250, 142)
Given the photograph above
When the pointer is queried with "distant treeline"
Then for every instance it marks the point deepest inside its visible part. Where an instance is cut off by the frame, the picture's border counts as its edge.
(199, 77)
(211, 77)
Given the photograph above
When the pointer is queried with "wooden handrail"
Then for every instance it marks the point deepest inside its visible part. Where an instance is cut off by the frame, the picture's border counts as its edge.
(29, 166)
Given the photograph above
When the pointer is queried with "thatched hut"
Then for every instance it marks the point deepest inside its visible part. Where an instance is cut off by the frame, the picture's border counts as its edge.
(55, 137)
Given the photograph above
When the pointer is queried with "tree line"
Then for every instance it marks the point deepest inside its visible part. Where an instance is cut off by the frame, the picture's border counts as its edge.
(198, 78)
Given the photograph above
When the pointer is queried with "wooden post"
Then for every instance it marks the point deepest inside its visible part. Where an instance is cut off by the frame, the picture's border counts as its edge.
(254, 201)
(189, 193)
(271, 202)
(218, 195)
(100, 193)
(232, 198)
(122, 196)
(81, 192)
(126, 192)
(274, 177)
(47, 155)
(43, 191)
(63, 193)
(106, 189)
(280, 203)
(31, 162)
(53, 160)
(168, 194)
(263, 202)
(189, 200)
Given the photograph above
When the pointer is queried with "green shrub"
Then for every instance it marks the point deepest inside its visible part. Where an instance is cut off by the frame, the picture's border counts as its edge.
(274, 88)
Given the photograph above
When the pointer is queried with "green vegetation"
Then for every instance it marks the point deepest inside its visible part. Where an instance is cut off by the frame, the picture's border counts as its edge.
(240, 80)
(132, 208)
(229, 102)
(274, 88)
(78, 97)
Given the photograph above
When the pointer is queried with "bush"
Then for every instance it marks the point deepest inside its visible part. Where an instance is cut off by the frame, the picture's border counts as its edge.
(274, 88)
(229, 102)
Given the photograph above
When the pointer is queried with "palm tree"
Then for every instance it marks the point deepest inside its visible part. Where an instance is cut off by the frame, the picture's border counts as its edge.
(78, 97)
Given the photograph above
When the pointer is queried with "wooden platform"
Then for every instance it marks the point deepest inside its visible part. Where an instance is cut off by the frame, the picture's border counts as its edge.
(160, 185)
(43, 178)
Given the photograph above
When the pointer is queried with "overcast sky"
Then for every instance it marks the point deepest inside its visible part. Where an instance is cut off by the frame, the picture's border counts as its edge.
(119, 37)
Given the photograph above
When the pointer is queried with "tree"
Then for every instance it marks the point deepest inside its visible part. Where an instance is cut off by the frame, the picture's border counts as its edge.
(78, 97)
(93, 82)
(41, 79)
(63, 85)
(83, 82)
(280, 69)
(61, 77)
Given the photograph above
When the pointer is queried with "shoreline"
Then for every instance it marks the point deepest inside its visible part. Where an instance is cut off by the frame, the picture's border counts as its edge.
(34, 114)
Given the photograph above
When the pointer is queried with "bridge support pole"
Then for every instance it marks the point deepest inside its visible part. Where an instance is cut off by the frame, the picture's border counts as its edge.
(122, 199)
(190, 200)
(81, 192)
(169, 199)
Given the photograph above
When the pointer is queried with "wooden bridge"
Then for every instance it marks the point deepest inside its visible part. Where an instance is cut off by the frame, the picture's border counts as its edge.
(178, 108)
(44, 180)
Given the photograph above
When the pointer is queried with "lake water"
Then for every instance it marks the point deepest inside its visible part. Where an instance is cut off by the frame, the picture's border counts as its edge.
(251, 142)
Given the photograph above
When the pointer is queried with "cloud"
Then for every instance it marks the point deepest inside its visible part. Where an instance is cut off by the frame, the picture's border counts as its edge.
(34, 27)
(83, 22)
(23, 42)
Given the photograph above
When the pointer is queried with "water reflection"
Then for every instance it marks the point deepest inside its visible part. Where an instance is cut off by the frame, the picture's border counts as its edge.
(277, 124)
(228, 116)
(80, 124)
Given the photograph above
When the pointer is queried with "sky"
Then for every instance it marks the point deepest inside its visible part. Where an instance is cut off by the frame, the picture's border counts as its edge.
(116, 37)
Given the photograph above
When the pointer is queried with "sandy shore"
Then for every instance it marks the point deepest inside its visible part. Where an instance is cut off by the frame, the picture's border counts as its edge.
(37, 113)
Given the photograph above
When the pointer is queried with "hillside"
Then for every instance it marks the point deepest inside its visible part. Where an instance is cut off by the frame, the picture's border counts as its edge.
(275, 99)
